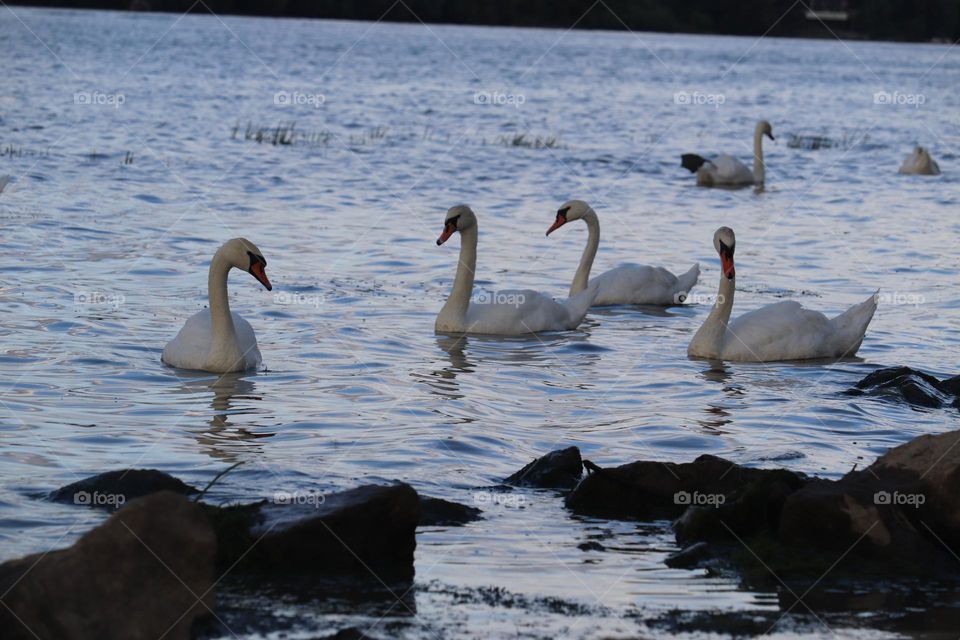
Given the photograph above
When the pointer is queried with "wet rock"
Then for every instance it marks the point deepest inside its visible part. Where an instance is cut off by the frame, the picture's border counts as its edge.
(591, 545)
(915, 387)
(747, 511)
(904, 509)
(435, 512)
(147, 572)
(689, 557)
(111, 490)
(367, 533)
(347, 534)
(559, 469)
(649, 490)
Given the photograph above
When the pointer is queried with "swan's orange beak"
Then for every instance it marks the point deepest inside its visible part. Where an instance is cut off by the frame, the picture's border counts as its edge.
(559, 222)
(257, 271)
(726, 263)
(449, 228)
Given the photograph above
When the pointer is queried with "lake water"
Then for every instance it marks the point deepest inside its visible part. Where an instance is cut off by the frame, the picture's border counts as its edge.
(125, 135)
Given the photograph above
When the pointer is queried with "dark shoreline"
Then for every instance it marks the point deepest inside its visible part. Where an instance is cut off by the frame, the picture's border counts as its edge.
(930, 21)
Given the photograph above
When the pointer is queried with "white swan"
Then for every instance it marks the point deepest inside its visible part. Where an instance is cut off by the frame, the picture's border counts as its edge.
(780, 331)
(727, 171)
(920, 163)
(502, 312)
(215, 339)
(626, 284)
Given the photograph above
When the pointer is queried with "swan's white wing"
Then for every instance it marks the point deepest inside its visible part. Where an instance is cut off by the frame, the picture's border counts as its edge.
(637, 284)
(780, 331)
(247, 341)
(190, 347)
(514, 312)
(724, 170)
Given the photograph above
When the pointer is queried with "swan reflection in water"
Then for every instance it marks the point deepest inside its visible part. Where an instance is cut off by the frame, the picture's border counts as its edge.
(443, 381)
(231, 395)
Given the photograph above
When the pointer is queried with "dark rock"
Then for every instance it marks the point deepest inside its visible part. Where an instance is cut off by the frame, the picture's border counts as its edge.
(591, 545)
(435, 512)
(147, 572)
(347, 534)
(689, 557)
(915, 387)
(951, 386)
(648, 490)
(111, 490)
(747, 511)
(903, 510)
(367, 533)
(560, 469)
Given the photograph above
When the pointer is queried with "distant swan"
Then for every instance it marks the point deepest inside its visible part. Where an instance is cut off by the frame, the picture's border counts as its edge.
(626, 284)
(215, 339)
(780, 331)
(727, 171)
(920, 163)
(502, 312)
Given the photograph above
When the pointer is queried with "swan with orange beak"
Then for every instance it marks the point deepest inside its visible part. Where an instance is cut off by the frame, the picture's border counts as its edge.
(628, 283)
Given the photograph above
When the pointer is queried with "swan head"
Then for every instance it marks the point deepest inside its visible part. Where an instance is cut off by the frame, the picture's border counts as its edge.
(459, 218)
(571, 210)
(243, 254)
(763, 127)
(725, 242)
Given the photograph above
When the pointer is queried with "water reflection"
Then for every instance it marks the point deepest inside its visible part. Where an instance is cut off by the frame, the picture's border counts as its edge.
(232, 393)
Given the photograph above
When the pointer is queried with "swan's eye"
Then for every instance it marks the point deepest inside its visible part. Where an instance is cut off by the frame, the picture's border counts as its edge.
(254, 259)
(454, 220)
(563, 212)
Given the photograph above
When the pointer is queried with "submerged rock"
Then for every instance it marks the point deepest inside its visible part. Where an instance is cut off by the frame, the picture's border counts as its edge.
(915, 387)
(648, 490)
(111, 490)
(559, 469)
(435, 512)
(147, 572)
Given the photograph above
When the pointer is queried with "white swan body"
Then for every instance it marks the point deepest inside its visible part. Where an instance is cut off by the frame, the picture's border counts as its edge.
(727, 171)
(628, 283)
(513, 312)
(216, 339)
(780, 331)
(920, 163)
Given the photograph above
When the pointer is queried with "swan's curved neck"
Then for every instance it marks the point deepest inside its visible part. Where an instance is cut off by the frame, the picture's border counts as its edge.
(582, 277)
(709, 339)
(759, 170)
(459, 300)
(224, 333)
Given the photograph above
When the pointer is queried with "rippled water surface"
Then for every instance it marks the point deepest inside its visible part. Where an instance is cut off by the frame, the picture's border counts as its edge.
(116, 207)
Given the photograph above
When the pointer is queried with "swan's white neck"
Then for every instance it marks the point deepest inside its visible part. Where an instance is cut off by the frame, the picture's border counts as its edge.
(710, 338)
(224, 344)
(455, 310)
(759, 170)
(582, 277)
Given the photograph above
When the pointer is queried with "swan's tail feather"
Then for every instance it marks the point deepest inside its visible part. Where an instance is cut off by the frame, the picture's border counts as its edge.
(579, 304)
(851, 325)
(692, 162)
(686, 282)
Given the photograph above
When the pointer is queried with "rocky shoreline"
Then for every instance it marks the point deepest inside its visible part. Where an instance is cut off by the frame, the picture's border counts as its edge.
(163, 552)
